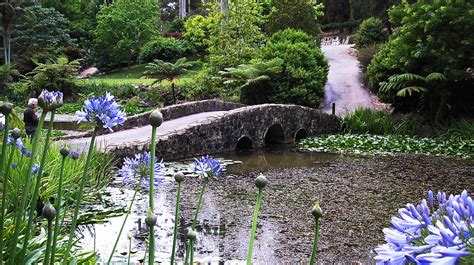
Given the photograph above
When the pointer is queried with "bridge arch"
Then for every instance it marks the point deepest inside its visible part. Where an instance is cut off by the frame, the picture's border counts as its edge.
(300, 134)
(244, 143)
(274, 135)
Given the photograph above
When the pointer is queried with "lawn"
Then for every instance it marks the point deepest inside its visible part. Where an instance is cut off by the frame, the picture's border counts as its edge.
(132, 75)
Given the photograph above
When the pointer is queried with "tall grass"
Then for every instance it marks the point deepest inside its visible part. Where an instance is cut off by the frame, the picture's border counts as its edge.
(363, 121)
(101, 164)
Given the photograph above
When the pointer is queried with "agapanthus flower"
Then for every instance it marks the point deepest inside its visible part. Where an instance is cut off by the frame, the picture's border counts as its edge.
(14, 165)
(74, 155)
(102, 112)
(19, 145)
(207, 167)
(35, 169)
(137, 169)
(430, 233)
(50, 101)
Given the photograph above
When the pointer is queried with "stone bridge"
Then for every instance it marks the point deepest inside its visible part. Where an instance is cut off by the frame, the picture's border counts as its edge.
(249, 127)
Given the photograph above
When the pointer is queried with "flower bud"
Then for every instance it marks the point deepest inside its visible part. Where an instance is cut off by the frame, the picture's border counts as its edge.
(317, 212)
(6, 108)
(179, 177)
(150, 219)
(16, 133)
(156, 118)
(64, 151)
(191, 235)
(261, 181)
(48, 212)
(42, 101)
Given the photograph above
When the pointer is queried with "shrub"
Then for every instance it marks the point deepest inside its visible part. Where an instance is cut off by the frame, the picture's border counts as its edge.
(55, 75)
(424, 44)
(304, 69)
(207, 85)
(197, 30)
(371, 31)
(164, 49)
(363, 121)
(301, 15)
(365, 55)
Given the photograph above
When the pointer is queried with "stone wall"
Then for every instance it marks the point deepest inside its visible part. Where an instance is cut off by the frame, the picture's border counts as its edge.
(169, 113)
(222, 134)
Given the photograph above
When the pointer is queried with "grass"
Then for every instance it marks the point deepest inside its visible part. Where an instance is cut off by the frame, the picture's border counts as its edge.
(132, 75)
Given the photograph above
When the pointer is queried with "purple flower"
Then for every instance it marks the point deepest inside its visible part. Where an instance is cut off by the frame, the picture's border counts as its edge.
(137, 169)
(423, 235)
(74, 155)
(102, 112)
(14, 165)
(35, 169)
(50, 101)
(207, 166)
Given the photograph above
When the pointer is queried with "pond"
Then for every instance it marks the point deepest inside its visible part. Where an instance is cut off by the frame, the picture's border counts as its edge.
(358, 195)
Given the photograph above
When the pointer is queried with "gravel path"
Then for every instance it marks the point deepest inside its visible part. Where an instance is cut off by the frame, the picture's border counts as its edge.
(344, 86)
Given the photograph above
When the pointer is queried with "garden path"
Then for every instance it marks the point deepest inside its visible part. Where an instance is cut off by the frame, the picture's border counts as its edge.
(344, 86)
(141, 134)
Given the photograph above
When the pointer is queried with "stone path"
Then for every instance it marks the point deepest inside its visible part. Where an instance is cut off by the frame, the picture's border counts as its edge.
(344, 86)
(141, 134)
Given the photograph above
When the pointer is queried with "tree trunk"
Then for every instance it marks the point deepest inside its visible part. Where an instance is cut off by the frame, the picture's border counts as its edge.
(174, 92)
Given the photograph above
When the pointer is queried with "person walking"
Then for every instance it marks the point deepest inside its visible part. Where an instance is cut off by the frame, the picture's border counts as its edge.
(30, 118)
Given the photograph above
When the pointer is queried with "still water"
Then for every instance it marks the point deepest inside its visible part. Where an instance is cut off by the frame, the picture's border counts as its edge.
(222, 232)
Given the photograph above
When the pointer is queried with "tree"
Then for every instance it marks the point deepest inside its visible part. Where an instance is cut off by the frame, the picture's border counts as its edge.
(40, 29)
(122, 29)
(302, 15)
(7, 75)
(253, 79)
(162, 70)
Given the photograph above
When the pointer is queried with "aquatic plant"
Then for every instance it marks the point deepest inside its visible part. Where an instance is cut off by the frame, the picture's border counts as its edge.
(317, 214)
(155, 119)
(431, 233)
(261, 182)
(368, 144)
(103, 112)
(136, 170)
(207, 167)
(178, 177)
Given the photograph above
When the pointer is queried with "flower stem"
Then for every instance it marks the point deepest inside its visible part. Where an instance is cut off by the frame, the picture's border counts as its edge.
(24, 194)
(58, 210)
(315, 242)
(4, 196)
(151, 244)
(5, 179)
(39, 175)
(79, 197)
(176, 216)
(123, 224)
(254, 225)
(48, 242)
(196, 214)
(191, 258)
(129, 250)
